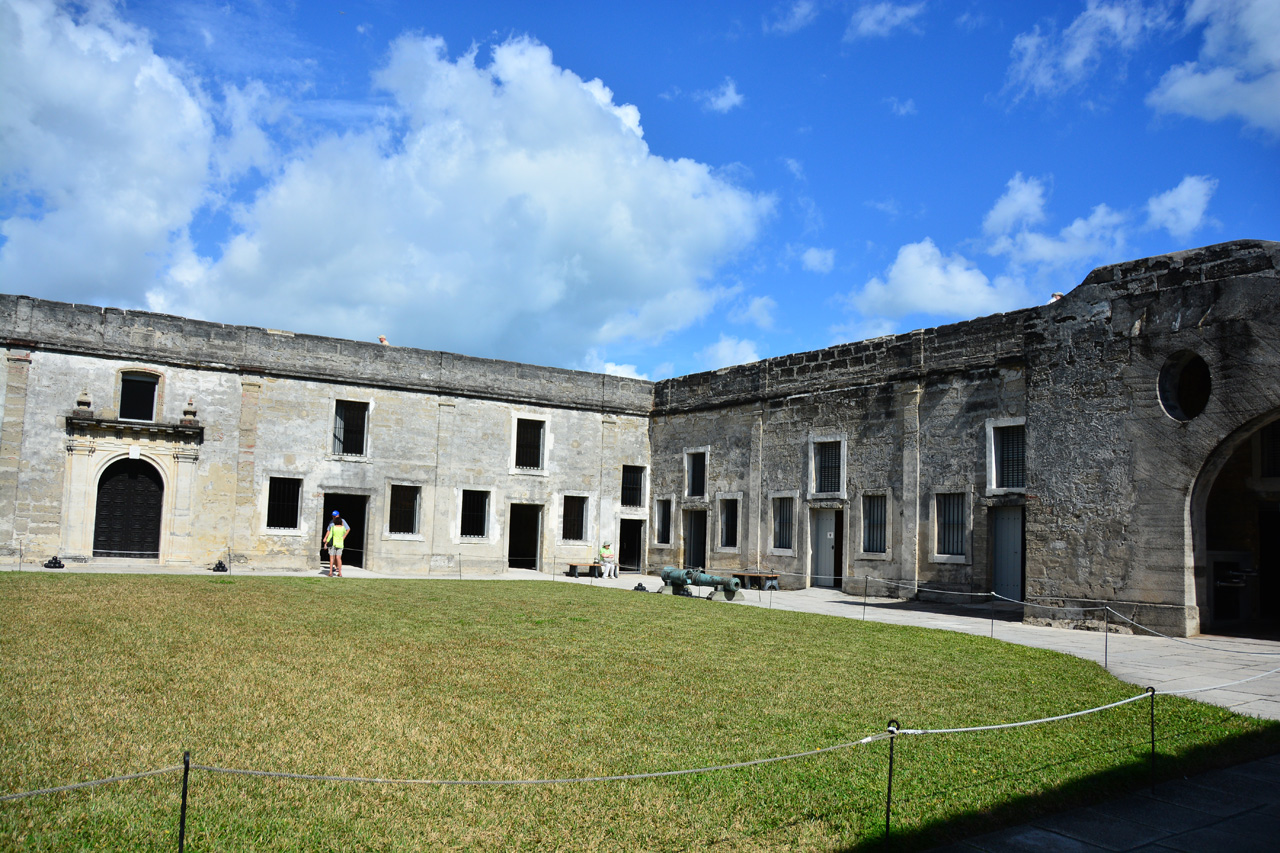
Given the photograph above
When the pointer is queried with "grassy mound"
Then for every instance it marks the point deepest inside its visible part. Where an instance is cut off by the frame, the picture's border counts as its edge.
(107, 675)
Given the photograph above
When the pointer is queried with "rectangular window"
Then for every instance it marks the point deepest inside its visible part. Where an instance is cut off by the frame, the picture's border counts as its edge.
(950, 524)
(403, 517)
(1011, 457)
(632, 485)
(529, 443)
(874, 512)
(1270, 441)
(696, 465)
(138, 396)
(283, 500)
(729, 523)
(826, 466)
(782, 510)
(664, 522)
(348, 427)
(475, 513)
(574, 526)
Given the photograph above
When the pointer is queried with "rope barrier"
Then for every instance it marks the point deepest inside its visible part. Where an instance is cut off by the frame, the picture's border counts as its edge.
(1142, 695)
(1192, 643)
(91, 784)
(1220, 686)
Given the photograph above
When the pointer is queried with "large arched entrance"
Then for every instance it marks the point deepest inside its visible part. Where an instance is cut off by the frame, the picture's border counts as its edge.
(130, 503)
(1238, 535)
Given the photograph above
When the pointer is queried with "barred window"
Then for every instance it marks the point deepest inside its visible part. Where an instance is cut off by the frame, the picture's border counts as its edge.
(782, 511)
(1011, 457)
(950, 524)
(475, 513)
(874, 518)
(729, 523)
(826, 466)
(348, 427)
(529, 443)
(403, 517)
(697, 468)
(283, 502)
(632, 485)
(664, 522)
(1270, 439)
(574, 526)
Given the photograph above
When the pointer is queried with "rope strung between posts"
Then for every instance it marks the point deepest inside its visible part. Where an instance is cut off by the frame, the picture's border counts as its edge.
(1143, 695)
(91, 784)
(1192, 643)
(1219, 686)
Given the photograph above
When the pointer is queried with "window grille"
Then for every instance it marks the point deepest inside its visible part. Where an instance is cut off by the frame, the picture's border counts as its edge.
(697, 465)
(782, 511)
(1270, 440)
(348, 427)
(1011, 457)
(826, 464)
(403, 517)
(874, 517)
(574, 525)
(283, 494)
(475, 513)
(529, 443)
(138, 396)
(729, 523)
(664, 522)
(632, 485)
(950, 523)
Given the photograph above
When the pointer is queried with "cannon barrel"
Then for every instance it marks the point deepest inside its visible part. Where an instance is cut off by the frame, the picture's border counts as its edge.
(704, 579)
(677, 577)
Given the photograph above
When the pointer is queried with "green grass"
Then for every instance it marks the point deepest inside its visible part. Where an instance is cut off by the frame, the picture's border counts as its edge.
(486, 680)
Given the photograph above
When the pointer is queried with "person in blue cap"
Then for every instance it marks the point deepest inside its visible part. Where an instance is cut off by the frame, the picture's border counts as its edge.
(334, 538)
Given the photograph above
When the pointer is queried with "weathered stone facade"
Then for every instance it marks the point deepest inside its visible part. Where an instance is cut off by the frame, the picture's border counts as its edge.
(1117, 445)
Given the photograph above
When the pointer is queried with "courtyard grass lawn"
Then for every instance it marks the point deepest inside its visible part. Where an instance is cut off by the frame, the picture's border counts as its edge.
(106, 675)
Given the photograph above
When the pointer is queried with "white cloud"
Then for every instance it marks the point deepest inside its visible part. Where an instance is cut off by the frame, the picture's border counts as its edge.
(723, 99)
(818, 260)
(509, 209)
(596, 364)
(902, 108)
(1181, 210)
(106, 145)
(1049, 64)
(727, 352)
(923, 280)
(878, 20)
(1021, 204)
(1101, 235)
(1238, 70)
(793, 18)
(795, 167)
(759, 310)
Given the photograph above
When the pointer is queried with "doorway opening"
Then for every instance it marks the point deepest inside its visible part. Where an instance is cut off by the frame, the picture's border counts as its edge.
(695, 539)
(525, 537)
(826, 532)
(352, 508)
(129, 509)
(630, 544)
(1008, 562)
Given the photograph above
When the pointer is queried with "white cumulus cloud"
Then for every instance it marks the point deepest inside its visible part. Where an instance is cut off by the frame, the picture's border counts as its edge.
(792, 18)
(1181, 210)
(923, 280)
(877, 20)
(818, 260)
(726, 352)
(1022, 204)
(723, 99)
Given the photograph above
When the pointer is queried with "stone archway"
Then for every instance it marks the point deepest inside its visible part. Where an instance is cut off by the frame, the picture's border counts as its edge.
(130, 507)
(1236, 532)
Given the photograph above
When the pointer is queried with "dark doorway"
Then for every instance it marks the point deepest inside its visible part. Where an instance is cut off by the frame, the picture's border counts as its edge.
(525, 521)
(130, 504)
(352, 509)
(695, 538)
(1269, 564)
(630, 543)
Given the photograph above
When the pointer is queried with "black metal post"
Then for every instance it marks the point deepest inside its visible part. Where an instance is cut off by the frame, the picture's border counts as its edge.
(992, 603)
(182, 815)
(888, 801)
(1152, 691)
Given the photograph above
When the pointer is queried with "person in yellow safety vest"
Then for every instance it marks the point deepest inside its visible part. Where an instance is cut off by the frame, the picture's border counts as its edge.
(334, 537)
(608, 560)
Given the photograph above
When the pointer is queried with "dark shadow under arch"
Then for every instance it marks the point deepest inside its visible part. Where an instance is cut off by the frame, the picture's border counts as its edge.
(129, 510)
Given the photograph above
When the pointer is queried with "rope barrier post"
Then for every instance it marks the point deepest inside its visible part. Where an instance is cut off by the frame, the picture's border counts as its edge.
(1106, 635)
(182, 815)
(1152, 691)
(866, 581)
(888, 801)
(992, 602)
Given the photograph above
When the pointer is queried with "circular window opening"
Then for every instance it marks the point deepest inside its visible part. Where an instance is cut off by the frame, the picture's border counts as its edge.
(1184, 385)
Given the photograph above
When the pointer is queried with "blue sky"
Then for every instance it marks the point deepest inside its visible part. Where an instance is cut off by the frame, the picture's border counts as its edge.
(647, 189)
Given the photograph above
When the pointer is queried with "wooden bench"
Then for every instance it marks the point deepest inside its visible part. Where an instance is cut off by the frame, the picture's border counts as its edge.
(593, 569)
(757, 580)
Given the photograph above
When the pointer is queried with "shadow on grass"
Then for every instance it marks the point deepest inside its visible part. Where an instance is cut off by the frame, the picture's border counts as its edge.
(1128, 778)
